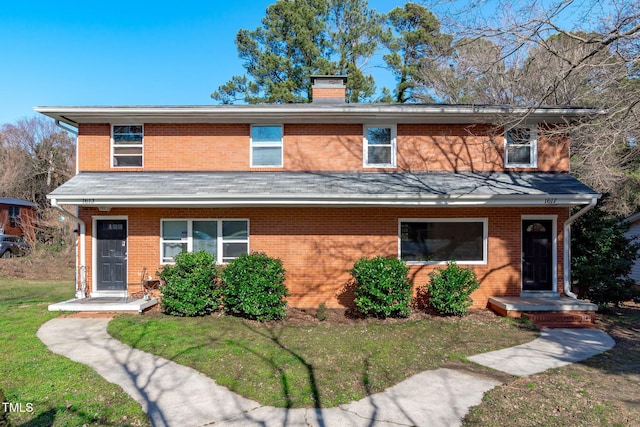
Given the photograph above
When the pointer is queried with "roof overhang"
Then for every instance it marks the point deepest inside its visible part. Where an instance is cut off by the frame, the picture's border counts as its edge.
(320, 189)
(313, 113)
(257, 200)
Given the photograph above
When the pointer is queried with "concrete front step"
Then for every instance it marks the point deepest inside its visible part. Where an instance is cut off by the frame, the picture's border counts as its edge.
(562, 319)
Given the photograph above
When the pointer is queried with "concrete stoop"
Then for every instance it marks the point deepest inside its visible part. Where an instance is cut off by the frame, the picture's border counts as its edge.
(546, 311)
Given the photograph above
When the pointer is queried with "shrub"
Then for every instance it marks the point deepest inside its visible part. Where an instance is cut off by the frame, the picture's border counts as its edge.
(383, 288)
(602, 258)
(253, 287)
(321, 314)
(190, 287)
(450, 289)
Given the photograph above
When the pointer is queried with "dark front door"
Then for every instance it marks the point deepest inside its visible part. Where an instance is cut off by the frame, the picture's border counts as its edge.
(111, 255)
(537, 255)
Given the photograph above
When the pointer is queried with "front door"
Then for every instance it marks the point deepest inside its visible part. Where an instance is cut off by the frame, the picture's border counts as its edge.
(111, 255)
(537, 255)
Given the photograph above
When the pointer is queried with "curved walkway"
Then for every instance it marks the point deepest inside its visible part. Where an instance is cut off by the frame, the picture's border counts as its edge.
(175, 395)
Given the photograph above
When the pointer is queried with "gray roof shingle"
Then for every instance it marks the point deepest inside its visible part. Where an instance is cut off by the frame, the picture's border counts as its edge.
(363, 186)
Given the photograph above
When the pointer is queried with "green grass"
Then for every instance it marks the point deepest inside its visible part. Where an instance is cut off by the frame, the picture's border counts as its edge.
(321, 364)
(61, 392)
(600, 391)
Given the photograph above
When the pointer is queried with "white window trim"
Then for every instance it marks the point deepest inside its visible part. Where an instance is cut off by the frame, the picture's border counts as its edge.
(114, 145)
(365, 146)
(267, 145)
(220, 240)
(485, 240)
(554, 249)
(533, 129)
(94, 257)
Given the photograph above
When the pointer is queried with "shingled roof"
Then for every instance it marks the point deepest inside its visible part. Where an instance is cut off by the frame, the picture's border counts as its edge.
(321, 188)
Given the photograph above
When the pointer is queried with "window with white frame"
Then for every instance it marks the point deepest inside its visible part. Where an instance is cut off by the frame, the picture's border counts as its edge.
(225, 239)
(436, 240)
(521, 147)
(266, 146)
(126, 146)
(379, 146)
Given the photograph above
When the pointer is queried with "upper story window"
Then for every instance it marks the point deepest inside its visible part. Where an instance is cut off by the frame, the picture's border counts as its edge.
(379, 146)
(521, 147)
(266, 146)
(14, 216)
(126, 146)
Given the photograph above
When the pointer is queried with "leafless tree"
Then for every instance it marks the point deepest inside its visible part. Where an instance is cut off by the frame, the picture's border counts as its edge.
(564, 52)
(35, 158)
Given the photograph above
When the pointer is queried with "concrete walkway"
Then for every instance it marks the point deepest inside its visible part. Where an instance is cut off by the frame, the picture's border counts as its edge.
(175, 395)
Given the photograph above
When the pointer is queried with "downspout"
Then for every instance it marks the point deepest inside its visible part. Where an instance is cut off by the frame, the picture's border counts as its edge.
(81, 292)
(567, 245)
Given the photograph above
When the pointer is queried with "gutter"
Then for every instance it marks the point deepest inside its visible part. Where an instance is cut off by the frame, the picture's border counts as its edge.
(567, 245)
(350, 200)
(82, 292)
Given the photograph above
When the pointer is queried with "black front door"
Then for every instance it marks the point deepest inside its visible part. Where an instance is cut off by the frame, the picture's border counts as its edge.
(111, 254)
(537, 255)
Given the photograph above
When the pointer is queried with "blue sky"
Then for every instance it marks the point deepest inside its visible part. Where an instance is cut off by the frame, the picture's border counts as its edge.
(124, 52)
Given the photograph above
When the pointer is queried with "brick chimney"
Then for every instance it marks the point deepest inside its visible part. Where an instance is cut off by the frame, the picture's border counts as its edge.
(328, 89)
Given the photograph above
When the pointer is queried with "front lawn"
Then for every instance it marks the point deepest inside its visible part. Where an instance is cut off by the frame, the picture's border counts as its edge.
(303, 364)
(601, 391)
(59, 391)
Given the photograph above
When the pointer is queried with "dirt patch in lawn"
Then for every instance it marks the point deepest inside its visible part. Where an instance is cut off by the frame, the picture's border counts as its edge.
(40, 265)
(602, 390)
(309, 316)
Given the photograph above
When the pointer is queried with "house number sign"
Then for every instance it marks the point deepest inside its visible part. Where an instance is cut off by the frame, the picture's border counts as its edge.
(550, 201)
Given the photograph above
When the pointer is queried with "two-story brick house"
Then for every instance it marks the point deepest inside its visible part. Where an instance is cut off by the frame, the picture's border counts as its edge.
(320, 185)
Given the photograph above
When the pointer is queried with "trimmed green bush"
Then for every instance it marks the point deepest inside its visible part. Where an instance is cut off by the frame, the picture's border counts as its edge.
(450, 289)
(253, 287)
(190, 285)
(383, 288)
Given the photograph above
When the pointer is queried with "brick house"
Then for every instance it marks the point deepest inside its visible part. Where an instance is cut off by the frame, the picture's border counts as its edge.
(16, 216)
(320, 185)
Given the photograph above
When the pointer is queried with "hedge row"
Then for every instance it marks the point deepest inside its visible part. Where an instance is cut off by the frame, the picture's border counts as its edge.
(252, 286)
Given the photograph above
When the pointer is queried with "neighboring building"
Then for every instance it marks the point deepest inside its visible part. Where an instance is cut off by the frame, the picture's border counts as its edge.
(320, 185)
(634, 232)
(16, 216)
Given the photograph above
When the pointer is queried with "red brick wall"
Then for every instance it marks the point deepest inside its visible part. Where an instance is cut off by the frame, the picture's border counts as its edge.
(27, 221)
(337, 147)
(319, 245)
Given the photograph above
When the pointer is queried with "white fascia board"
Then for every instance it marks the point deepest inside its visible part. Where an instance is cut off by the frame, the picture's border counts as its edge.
(329, 200)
